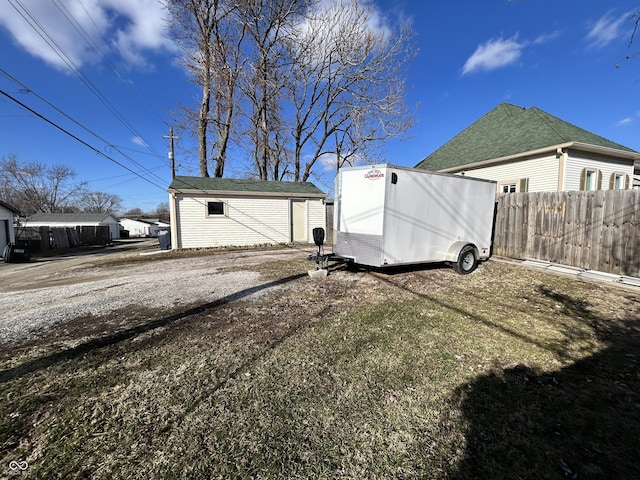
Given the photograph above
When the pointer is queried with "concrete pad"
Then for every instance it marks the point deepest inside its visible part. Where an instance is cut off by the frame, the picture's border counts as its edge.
(318, 273)
(536, 263)
(635, 281)
(566, 269)
(603, 276)
(155, 252)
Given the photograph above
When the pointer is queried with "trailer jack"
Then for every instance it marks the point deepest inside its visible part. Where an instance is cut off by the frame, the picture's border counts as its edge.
(320, 258)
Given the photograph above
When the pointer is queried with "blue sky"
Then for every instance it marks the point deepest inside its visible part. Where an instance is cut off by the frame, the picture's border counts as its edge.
(107, 74)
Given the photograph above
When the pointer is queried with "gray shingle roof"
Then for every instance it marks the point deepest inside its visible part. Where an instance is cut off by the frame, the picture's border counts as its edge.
(209, 184)
(69, 217)
(509, 130)
(9, 207)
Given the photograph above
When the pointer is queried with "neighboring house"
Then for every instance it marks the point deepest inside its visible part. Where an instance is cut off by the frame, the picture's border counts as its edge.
(7, 234)
(143, 227)
(528, 150)
(217, 212)
(72, 220)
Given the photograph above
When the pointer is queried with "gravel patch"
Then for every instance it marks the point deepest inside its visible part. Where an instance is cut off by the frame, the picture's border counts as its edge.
(58, 297)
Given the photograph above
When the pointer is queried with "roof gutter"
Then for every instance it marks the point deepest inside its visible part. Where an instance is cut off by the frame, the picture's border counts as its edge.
(576, 145)
(231, 193)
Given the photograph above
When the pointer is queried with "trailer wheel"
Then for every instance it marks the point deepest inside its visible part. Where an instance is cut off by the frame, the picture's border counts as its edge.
(467, 261)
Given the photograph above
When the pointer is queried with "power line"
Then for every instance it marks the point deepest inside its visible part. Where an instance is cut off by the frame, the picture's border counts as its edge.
(50, 122)
(64, 56)
(27, 89)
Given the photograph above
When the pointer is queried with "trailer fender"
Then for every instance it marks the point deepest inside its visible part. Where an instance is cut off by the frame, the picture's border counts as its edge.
(454, 251)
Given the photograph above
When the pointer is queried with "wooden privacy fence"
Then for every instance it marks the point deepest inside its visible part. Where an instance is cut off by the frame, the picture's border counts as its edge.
(590, 230)
(43, 239)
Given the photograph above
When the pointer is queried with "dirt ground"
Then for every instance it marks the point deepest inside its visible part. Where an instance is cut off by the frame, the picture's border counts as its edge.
(62, 301)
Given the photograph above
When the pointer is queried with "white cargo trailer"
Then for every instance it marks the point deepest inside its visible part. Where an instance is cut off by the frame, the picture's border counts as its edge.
(389, 215)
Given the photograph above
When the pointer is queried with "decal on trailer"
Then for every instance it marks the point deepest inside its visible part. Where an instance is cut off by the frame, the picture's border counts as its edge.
(373, 174)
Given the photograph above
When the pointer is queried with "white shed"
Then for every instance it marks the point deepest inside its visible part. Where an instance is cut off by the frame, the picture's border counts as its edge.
(72, 220)
(143, 227)
(219, 212)
(7, 235)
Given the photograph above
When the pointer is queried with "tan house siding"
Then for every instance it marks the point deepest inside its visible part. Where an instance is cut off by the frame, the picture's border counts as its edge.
(578, 160)
(246, 221)
(542, 173)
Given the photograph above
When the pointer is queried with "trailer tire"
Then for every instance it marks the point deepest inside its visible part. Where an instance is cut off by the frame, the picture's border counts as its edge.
(467, 261)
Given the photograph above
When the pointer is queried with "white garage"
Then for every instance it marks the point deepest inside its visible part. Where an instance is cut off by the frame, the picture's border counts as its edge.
(220, 212)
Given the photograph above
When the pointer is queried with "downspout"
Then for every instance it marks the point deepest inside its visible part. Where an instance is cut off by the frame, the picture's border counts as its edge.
(562, 160)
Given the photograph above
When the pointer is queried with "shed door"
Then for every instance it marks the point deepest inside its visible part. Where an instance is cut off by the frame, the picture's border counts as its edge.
(299, 220)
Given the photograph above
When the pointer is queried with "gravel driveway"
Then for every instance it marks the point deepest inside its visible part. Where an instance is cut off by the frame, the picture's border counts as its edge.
(34, 296)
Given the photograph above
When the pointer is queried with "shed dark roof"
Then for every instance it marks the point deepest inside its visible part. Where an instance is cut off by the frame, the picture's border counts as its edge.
(9, 207)
(70, 217)
(208, 184)
(509, 130)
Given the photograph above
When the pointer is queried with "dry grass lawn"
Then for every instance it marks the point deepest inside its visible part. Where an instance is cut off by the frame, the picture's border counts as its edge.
(504, 373)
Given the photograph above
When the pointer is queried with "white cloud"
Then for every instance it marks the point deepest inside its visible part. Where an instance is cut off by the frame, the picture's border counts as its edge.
(625, 122)
(328, 162)
(139, 141)
(494, 54)
(546, 37)
(607, 29)
(74, 31)
(330, 20)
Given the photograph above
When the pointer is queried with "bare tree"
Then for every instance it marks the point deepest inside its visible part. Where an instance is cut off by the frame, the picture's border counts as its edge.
(100, 202)
(36, 187)
(293, 81)
(212, 39)
(266, 80)
(349, 88)
(134, 213)
(162, 211)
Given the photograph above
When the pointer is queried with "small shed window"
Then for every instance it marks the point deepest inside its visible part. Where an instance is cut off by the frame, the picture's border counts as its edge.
(215, 208)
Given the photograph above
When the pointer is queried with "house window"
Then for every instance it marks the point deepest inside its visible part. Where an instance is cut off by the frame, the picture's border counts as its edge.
(508, 188)
(618, 181)
(215, 209)
(513, 186)
(590, 180)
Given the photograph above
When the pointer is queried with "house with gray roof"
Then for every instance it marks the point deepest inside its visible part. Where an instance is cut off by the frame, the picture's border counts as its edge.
(220, 212)
(72, 220)
(529, 150)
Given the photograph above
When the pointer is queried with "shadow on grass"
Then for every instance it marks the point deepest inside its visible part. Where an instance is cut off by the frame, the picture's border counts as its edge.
(580, 422)
(557, 348)
(116, 337)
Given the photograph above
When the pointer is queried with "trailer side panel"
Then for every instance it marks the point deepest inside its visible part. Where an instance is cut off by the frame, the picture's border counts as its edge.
(391, 215)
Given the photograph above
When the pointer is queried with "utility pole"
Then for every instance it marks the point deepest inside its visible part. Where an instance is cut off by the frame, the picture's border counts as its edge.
(171, 152)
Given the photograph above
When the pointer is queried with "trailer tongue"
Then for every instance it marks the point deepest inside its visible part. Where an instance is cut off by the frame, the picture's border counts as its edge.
(387, 215)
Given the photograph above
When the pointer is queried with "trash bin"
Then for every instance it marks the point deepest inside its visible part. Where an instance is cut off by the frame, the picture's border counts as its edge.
(20, 251)
(164, 239)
